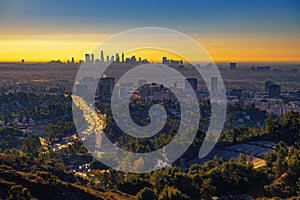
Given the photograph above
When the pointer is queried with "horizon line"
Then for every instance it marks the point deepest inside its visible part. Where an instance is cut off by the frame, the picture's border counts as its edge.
(154, 61)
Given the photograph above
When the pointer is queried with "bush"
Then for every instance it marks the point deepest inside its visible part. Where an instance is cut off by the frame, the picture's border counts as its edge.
(146, 194)
(171, 193)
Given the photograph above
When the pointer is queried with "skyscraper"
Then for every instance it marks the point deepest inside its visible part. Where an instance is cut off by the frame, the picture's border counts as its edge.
(93, 59)
(87, 58)
(105, 87)
(274, 90)
(102, 57)
(267, 85)
(117, 58)
(214, 84)
(122, 57)
(193, 82)
(164, 60)
(232, 66)
(133, 59)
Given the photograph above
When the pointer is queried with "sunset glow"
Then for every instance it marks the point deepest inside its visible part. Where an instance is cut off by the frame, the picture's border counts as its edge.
(43, 48)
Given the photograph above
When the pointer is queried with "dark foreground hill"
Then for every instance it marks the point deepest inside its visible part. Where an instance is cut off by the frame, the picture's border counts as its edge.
(22, 177)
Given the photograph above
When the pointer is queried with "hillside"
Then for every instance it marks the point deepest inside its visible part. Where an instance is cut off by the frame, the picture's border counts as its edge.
(22, 177)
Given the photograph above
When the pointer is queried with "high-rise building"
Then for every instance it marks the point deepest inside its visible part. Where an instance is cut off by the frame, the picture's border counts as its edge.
(274, 90)
(72, 61)
(102, 57)
(214, 84)
(93, 58)
(133, 59)
(164, 60)
(127, 60)
(105, 87)
(123, 57)
(107, 58)
(193, 82)
(232, 66)
(267, 85)
(87, 58)
(117, 58)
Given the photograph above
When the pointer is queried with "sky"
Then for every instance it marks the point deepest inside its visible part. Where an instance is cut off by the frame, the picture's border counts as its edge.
(230, 30)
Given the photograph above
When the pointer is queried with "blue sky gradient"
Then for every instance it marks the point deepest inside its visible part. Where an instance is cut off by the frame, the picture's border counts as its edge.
(214, 16)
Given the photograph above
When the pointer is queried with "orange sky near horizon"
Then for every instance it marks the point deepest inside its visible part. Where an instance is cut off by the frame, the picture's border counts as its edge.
(221, 47)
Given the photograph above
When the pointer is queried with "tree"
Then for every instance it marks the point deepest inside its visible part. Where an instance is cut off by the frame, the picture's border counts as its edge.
(285, 165)
(207, 189)
(270, 157)
(291, 127)
(18, 192)
(171, 193)
(251, 158)
(146, 194)
(31, 145)
(273, 127)
(159, 179)
(132, 184)
(243, 158)
(236, 177)
(280, 163)
(59, 129)
(186, 184)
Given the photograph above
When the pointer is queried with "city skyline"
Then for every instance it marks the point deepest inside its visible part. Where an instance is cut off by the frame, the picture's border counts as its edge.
(252, 31)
